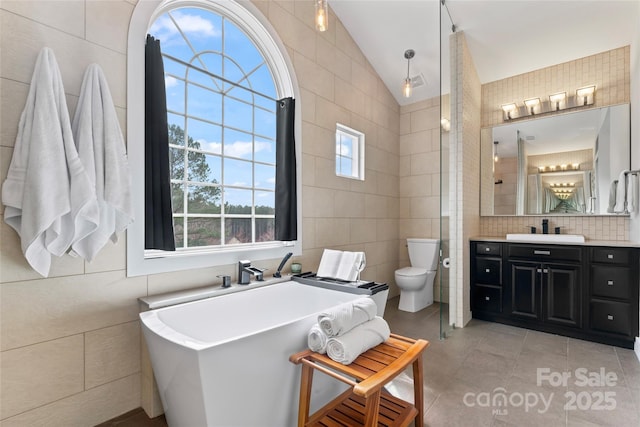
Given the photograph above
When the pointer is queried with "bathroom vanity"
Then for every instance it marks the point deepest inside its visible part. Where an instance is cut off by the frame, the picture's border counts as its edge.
(587, 291)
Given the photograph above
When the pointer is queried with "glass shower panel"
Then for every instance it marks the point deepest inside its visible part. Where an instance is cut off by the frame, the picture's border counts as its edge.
(446, 293)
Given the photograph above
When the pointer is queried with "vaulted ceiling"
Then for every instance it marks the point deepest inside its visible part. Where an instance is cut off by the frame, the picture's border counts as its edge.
(505, 38)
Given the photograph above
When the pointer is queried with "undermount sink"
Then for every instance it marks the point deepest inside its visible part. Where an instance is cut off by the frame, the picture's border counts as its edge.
(547, 238)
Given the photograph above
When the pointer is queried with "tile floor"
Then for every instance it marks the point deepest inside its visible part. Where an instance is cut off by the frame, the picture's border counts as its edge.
(478, 367)
(467, 374)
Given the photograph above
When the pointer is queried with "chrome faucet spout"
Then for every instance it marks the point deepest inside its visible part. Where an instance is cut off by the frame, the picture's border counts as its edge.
(244, 272)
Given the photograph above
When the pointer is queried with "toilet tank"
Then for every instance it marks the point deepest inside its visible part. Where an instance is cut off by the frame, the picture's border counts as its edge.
(424, 253)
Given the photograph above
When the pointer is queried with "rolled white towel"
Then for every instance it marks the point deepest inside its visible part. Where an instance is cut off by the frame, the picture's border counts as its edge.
(346, 348)
(344, 317)
(317, 340)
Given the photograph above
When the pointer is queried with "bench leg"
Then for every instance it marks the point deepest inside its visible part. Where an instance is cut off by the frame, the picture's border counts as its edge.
(306, 381)
(418, 391)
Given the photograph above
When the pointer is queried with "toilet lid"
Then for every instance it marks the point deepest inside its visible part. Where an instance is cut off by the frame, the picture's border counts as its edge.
(411, 271)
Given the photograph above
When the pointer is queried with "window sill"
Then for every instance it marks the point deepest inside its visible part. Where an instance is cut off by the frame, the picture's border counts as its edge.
(153, 262)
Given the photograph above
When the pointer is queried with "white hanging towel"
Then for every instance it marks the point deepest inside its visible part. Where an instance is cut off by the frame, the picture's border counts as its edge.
(47, 196)
(612, 196)
(97, 134)
(632, 192)
(621, 193)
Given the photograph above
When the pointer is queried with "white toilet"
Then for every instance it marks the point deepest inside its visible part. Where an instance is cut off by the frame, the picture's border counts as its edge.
(416, 282)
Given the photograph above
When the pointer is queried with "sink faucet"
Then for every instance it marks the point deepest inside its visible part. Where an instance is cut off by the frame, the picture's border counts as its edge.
(245, 271)
(545, 226)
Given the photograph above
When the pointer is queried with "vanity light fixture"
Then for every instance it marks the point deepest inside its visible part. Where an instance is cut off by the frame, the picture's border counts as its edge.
(585, 95)
(406, 86)
(558, 101)
(322, 15)
(495, 151)
(509, 109)
(567, 167)
(531, 104)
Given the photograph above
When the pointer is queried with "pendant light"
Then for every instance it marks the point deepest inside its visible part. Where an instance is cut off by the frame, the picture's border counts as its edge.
(406, 87)
(322, 15)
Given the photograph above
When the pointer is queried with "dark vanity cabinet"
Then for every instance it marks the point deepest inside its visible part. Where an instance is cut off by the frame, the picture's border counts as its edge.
(545, 283)
(588, 292)
(613, 292)
(486, 267)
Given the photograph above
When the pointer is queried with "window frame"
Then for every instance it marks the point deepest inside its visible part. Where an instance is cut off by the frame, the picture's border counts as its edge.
(247, 17)
(357, 150)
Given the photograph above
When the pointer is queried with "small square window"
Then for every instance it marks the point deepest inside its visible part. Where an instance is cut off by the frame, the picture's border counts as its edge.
(349, 152)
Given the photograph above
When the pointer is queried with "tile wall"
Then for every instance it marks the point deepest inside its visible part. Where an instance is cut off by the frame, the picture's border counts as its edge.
(592, 227)
(466, 100)
(71, 343)
(610, 72)
(420, 176)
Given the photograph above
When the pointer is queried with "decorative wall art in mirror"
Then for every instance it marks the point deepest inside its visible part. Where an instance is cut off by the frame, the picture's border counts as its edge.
(555, 164)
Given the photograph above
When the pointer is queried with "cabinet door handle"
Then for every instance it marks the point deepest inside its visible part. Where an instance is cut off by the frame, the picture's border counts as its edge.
(539, 252)
(487, 298)
(545, 270)
(487, 270)
(610, 282)
(487, 249)
(610, 256)
(539, 270)
(609, 317)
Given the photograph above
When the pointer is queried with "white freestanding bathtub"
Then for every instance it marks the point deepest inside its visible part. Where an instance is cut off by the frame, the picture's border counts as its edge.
(223, 361)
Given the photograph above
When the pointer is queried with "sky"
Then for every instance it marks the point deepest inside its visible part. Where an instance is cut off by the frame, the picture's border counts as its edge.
(204, 40)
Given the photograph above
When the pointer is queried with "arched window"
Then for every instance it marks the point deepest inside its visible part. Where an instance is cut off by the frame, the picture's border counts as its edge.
(224, 71)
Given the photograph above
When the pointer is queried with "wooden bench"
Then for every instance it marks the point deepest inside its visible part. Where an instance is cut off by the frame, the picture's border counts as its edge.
(366, 403)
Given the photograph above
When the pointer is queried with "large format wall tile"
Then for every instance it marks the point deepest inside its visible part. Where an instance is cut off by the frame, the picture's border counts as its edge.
(84, 409)
(112, 353)
(39, 310)
(108, 23)
(38, 374)
(12, 100)
(66, 16)
(22, 39)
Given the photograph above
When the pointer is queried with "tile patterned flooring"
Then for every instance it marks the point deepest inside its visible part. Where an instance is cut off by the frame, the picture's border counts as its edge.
(468, 374)
(478, 367)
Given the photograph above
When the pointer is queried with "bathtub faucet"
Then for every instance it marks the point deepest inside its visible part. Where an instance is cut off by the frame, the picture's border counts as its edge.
(245, 271)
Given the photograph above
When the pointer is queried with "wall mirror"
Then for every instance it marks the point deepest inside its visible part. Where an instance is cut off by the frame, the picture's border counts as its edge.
(561, 164)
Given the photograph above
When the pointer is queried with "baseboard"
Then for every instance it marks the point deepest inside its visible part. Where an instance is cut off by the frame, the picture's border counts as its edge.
(636, 347)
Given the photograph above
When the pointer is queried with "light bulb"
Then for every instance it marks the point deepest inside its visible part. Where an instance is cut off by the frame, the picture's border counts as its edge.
(322, 15)
(406, 88)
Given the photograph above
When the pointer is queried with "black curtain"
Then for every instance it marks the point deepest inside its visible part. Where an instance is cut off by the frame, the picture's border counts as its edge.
(286, 227)
(157, 215)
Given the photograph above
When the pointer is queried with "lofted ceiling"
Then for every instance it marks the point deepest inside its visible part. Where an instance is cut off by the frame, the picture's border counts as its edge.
(505, 38)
